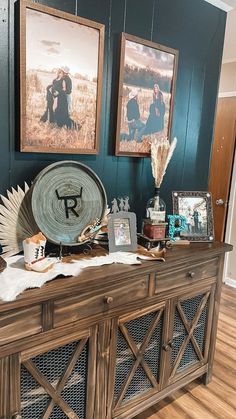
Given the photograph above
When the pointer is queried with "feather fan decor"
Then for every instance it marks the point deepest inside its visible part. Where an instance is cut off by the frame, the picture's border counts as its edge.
(161, 153)
(16, 220)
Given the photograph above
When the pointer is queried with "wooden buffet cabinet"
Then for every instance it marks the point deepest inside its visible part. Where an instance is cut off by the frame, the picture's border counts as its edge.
(112, 341)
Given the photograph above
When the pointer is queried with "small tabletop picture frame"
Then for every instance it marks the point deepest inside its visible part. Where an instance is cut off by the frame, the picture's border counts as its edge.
(122, 232)
(196, 206)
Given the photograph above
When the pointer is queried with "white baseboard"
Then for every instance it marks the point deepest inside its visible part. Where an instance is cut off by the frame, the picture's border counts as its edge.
(227, 94)
(231, 282)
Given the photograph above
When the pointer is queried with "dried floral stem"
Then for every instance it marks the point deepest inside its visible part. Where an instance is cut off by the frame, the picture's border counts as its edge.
(161, 153)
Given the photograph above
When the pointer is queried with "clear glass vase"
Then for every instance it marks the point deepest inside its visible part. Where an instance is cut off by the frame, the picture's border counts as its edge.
(156, 208)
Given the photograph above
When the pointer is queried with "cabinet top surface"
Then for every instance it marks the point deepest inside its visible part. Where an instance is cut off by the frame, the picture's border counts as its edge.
(90, 278)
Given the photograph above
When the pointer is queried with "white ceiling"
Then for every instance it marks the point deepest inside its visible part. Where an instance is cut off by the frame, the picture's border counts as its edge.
(226, 5)
(229, 53)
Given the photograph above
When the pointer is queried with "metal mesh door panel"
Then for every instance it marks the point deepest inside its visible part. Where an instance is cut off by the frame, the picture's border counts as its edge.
(139, 384)
(125, 359)
(57, 413)
(152, 354)
(179, 336)
(138, 328)
(200, 329)
(52, 364)
(34, 398)
(180, 333)
(189, 357)
(190, 306)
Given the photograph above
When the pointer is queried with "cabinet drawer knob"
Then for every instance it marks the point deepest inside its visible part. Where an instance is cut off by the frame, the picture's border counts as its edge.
(171, 345)
(166, 347)
(191, 274)
(108, 300)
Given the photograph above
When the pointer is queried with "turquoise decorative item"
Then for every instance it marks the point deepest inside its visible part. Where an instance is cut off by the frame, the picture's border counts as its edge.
(172, 225)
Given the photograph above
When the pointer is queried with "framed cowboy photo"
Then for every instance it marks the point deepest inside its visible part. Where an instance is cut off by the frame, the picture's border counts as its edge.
(146, 94)
(196, 207)
(61, 65)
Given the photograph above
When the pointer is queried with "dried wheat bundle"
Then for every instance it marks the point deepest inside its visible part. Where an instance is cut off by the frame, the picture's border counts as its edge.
(161, 153)
(16, 220)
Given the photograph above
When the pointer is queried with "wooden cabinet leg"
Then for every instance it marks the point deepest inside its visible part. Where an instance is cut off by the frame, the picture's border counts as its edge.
(14, 384)
(206, 378)
(4, 388)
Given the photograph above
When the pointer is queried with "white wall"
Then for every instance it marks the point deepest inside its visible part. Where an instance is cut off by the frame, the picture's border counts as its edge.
(227, 87)
(228, 76)
(230, 261)
(229, 53)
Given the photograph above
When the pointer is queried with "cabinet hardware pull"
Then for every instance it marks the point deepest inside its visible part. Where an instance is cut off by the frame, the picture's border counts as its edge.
(170, 343)
(166, 347)
(191, 274)
(108, 300)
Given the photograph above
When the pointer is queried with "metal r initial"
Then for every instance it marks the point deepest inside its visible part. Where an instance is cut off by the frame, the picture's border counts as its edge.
(68, 198)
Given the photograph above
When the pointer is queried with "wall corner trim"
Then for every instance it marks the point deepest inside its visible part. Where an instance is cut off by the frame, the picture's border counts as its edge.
(220, 4)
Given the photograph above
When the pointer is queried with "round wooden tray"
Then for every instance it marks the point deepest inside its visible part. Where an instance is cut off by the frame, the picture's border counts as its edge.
(66, 197)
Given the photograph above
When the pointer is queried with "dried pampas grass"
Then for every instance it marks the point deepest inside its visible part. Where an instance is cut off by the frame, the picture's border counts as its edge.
(161, 153)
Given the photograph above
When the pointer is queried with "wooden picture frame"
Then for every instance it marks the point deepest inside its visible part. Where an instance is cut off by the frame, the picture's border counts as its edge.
(61, 68)
(147, 82)
(197, 208)
(122, 232)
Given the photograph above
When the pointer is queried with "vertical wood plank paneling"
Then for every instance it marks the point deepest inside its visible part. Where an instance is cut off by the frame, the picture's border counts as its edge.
(101, 13)
(203, 24)
(192, 127)
(212, 70)
(138, 21)
(4, 97)
(196, 29)
(110, 164)
(65, 5)
(139, 18)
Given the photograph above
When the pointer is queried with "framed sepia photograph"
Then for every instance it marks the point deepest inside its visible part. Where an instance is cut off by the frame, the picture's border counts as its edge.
(122, 232)
(61, 66)
(146, 94)
(196, 207)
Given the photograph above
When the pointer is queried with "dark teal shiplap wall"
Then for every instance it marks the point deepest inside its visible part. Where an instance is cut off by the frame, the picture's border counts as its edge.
(195, 28)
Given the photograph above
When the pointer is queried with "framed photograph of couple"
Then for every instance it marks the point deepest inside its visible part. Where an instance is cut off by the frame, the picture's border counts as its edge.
(61, 66)
(146, 94)
(196, 207)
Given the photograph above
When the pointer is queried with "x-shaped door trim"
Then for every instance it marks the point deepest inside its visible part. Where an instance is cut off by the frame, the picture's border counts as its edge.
(55, 393)
(138, 353)
(190, 327)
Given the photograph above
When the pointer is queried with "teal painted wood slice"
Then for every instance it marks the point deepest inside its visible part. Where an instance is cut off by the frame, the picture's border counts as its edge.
(66, 197)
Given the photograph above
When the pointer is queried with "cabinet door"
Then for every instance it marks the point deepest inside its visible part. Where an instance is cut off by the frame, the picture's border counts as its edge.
(135, 358)
(189, 339)
(59, 382)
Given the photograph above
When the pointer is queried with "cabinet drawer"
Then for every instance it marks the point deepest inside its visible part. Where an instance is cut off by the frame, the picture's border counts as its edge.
(18, 324)
(75, 308)
(190, 275)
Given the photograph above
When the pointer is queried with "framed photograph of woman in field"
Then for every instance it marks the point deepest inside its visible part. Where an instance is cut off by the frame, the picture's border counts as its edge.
(146, 94)
(61, 65)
